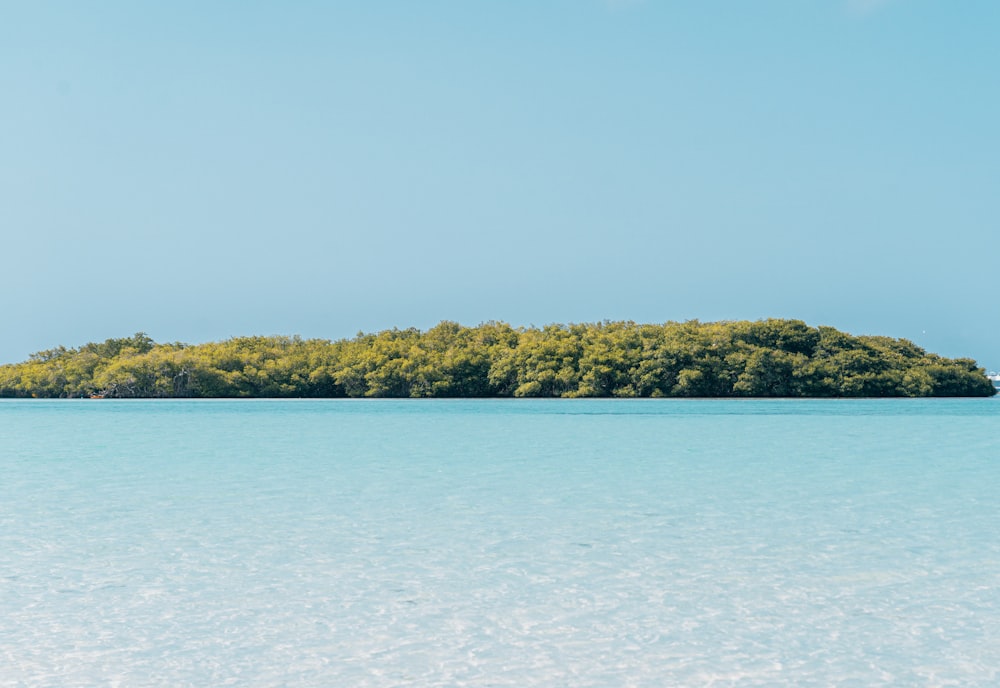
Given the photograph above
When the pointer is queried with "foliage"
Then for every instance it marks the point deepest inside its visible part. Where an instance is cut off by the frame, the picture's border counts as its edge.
(768, 358)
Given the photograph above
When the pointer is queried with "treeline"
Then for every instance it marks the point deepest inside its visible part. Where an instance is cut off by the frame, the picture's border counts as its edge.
(769, 358)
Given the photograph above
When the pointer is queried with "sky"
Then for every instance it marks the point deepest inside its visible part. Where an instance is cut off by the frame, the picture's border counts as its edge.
(199, 171)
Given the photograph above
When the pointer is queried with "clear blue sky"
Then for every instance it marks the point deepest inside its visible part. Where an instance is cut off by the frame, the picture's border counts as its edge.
(200, 170)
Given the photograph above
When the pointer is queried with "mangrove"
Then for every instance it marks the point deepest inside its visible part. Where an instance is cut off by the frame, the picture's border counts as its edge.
(765, 358)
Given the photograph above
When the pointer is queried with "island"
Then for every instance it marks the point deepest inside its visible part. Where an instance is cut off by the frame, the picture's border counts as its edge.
(764, 358)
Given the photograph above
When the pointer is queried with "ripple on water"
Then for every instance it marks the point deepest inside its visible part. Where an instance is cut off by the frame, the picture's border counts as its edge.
(498, 544)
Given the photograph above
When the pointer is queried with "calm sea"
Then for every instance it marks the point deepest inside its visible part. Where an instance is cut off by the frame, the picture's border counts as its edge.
(500, 543)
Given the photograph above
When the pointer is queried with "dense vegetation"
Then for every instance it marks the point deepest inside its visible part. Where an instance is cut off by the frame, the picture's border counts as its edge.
(770, 358)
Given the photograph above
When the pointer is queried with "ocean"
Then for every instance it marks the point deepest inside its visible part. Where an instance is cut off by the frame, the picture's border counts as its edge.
(500, 543)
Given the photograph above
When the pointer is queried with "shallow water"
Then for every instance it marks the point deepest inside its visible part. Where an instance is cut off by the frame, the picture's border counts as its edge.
(500, 543)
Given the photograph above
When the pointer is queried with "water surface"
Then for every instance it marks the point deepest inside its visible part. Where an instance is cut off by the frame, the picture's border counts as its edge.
(500, 543)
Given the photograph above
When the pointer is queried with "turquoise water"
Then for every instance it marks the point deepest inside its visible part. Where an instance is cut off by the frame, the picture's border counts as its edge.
(500, 543)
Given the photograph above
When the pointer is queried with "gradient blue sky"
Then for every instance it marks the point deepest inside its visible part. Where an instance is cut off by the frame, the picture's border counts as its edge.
(199, 170)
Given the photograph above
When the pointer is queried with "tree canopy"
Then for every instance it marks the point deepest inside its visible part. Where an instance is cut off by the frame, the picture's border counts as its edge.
(766, 358)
